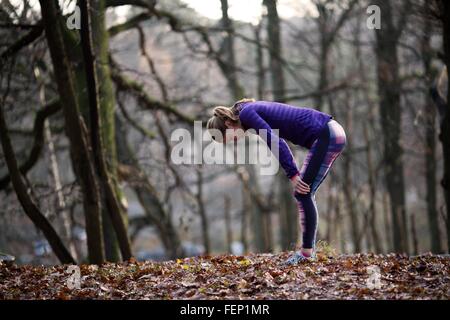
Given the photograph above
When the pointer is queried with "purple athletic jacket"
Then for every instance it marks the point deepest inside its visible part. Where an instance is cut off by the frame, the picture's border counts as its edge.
(300, 126)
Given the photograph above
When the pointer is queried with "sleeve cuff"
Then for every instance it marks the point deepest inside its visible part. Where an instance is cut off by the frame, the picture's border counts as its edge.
(291, 177)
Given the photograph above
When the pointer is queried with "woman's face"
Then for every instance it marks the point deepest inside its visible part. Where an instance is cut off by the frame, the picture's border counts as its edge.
(233, 133)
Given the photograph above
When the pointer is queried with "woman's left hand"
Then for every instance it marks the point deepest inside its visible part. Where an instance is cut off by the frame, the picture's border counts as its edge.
(299, 185)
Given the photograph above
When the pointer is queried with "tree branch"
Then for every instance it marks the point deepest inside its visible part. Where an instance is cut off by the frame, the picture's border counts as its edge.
(38, 143)
(328, 90)
(144, 131)
(137, 3)
(28, 205)
(21, 43)
(342, 20)
(130, 24)
(137, 89)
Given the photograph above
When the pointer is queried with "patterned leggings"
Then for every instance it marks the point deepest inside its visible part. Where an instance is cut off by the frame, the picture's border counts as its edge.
(315, 168)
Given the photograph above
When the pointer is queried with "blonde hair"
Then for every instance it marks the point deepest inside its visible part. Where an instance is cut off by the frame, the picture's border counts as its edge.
(222, 114)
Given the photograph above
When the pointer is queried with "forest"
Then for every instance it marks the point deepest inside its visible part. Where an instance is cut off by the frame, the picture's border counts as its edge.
(93, 91)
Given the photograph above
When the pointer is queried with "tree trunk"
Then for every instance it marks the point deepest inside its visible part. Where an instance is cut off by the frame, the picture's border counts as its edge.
(106, 185)
(76, 131)
(259, 62)
(202, 212)
(227, 218)
(372, 190)
(348, 186)
(267, 225)
(258, 231)
(389, 89)
(244, 218)
(415, 241)
(275, 50)
(288, 210)
(387, 223)
(331, 228)
(445, 126)
(253, 203)
(367, 129)
(430, 145)
(338, 223)
(323, 70)
(106, 107)
(229, 67)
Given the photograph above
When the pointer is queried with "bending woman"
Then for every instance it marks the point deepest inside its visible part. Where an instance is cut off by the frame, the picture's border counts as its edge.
(317, 131)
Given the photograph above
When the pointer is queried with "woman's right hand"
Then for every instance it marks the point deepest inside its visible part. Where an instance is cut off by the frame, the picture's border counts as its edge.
(299, 185)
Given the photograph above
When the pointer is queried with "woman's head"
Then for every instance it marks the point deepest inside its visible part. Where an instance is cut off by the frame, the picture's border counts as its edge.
(224, 119)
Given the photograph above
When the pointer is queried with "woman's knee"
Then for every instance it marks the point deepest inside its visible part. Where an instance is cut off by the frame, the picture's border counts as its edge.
(303, 197)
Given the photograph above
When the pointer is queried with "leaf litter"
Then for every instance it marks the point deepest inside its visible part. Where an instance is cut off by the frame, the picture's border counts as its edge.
(254, 276)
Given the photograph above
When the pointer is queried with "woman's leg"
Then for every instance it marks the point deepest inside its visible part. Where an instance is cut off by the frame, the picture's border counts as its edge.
(315, 168)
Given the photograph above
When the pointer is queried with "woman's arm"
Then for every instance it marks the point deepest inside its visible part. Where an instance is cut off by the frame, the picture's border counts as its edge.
(250, 118)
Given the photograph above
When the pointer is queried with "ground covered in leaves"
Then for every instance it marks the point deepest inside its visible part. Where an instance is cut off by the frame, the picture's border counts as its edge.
(258, 276)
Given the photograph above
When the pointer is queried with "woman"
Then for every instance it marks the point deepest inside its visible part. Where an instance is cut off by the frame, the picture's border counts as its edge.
(308, 128)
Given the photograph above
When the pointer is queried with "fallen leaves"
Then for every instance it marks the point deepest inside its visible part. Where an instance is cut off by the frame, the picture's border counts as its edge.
(255, 276)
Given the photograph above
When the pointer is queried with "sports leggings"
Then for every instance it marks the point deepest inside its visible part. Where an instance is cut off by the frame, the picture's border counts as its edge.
(320, 158)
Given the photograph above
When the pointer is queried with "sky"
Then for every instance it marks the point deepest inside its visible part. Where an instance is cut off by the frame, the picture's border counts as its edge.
(243, 10)
(251, 10)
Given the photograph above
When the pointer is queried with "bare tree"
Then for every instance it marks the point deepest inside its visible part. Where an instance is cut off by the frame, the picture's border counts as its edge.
(76, 131)
(28, 204)
(106, 185)
(430, 142)
(445, 124)
(389, 88)
(329, 25)
(287, 207)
